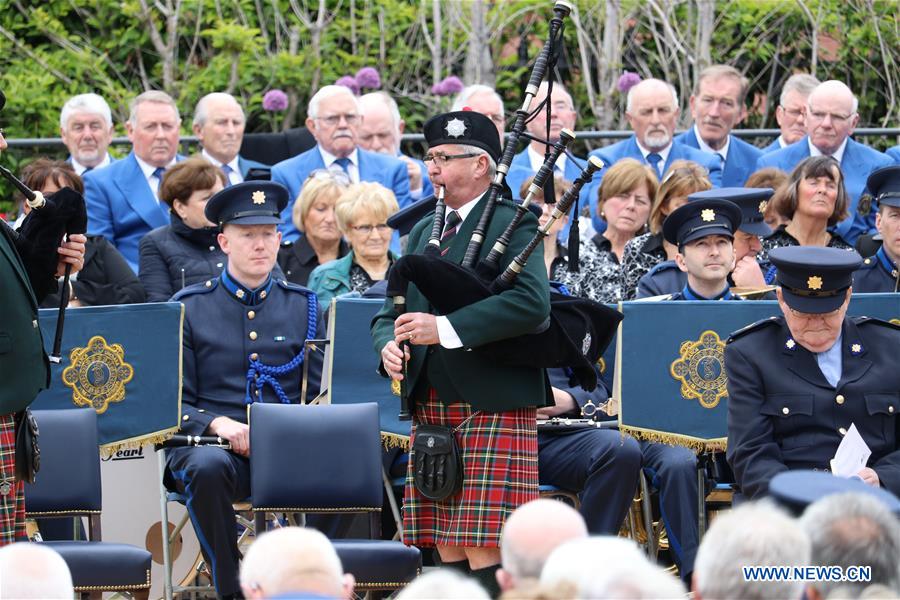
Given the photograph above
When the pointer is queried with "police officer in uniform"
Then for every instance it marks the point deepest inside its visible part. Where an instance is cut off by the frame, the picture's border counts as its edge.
(881, 272)
(244, 335)
(796, 383)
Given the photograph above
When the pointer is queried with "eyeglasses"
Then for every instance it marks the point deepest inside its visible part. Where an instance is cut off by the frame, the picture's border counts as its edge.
(368, 229)
(837, 119)
(332, 120)
(442, 159)
(810, 316)
(794, 113)
(338, 177)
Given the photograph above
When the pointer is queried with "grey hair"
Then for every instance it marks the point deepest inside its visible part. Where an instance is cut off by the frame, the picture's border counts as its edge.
(667, 84)
(802, 83)
(89, 103)
(29, 570)
(463, 97)
(200, 115)
(754, 534)
(854, 530)
(324, 93)
(829, 87)
(292, 559)
(442, 584)
(492, 164)
(387, 100)
(152, 96)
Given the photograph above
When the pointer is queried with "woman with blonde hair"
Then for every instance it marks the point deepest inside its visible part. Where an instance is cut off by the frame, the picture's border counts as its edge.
(362, 212)
(645, 251)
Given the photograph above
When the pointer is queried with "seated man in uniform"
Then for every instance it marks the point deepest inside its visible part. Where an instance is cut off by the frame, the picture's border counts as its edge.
(881, 273)
(236, 328)
(797, 383)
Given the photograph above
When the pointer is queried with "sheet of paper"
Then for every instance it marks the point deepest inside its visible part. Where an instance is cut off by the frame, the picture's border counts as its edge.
(852, 454)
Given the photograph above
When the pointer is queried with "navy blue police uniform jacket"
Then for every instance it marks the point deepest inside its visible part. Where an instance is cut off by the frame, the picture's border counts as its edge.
(783, 414)
(877, 274)
(226, 327)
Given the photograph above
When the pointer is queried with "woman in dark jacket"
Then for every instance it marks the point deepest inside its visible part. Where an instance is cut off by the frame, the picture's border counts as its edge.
(185, 251)
(106, 277)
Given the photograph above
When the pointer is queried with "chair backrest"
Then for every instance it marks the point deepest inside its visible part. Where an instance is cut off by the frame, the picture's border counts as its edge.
(69, 478)
(315, 458)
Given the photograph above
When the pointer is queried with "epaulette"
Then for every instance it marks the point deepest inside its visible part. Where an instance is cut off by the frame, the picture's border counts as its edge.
(869, 263)
(287, 243)
(663, 266)
(293, 287)
(894, 324)
(197, 288)
(751, 327)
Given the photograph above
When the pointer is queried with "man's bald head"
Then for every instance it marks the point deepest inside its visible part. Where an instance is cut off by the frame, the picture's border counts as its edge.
(831, 115)
(652, 110)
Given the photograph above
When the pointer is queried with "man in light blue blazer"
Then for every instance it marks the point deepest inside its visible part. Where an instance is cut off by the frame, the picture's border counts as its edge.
(717, 106)
(380, 131)
(86, 128)
(526, 163)
(219, 126)
(122, 199)
(791, 110)
(831, 118)
(894, 153)
(651, 108)
(333, 119)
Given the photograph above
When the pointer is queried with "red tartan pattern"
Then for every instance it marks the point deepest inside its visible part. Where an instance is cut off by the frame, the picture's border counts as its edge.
(12, 505)
(499, 453)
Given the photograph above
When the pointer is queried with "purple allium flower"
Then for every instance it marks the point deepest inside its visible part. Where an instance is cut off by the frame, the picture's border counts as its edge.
(368, 78)
(275, 101)
(438, 89)
(348, 82)
(627, 81)
(447, 86)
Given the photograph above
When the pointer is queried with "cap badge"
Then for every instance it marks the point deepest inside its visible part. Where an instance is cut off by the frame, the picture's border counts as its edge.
(762, 206)
(708, 214)
(455, 128)
(856, 349)
(259, 197)
(814, 282)
(790, 344)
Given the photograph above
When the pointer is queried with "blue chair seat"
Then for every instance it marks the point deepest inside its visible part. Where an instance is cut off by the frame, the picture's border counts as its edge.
(378, 564)
(90, 563)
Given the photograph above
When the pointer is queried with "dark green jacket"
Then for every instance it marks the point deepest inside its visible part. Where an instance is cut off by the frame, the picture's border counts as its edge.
(24, 369)
(461, 375)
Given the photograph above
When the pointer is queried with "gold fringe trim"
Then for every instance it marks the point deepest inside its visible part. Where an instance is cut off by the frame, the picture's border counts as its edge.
(156, 437)
(674, 439)
(394, 440)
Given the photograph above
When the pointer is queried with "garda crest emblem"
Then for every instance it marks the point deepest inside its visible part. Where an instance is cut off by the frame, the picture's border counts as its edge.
(701, 369)
(98, 374)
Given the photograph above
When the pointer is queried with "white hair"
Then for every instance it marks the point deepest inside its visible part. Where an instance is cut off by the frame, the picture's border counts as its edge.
(526, 542)
(830, 88)
(442, 584)
(385, 99)
(326, 92)
(754, 534)
(471, 90)
(32, 570)
(292, 559)
(156, 96)
(89, 103)
(666, 83)
(200, 115)
(802, 83)
(492, 164)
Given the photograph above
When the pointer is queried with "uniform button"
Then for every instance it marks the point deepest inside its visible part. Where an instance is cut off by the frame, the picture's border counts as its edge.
(890, 409)
(251, 314)
(253, 335)
(200, 410)
(209, 283)
(185, 418)
(842, 431)
(839, 399)
(254, 356)
(263, 294)
(212, 248)
(219, 265)
(785, 410)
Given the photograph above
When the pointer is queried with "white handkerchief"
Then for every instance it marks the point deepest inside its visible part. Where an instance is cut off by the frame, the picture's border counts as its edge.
(852, 454)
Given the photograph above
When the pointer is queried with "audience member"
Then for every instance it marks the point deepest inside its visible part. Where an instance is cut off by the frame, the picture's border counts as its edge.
(831, 119)
(894, 153)
(86, 128)
(123, 199)
(31, 570)
(219, 126)
(443, 584)
(556, 255)
(881, 272)
(485, 100)
(776, 179)
(333, 118)
(791, 110)
(717, 107)
(292, 562)
(187, 250)
(754, 534)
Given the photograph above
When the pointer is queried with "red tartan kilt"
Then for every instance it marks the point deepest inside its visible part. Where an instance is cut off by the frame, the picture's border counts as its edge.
(499, 454)
(12, 504)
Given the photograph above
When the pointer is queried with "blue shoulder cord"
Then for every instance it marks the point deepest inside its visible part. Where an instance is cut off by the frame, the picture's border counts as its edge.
(259, 374)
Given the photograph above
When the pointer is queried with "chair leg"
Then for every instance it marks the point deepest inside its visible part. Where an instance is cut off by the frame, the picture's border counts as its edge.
(701, 500)
(392, 501)
(164, 526)
(141, 594)
(375, 525)
(647, 507)
(259, 519)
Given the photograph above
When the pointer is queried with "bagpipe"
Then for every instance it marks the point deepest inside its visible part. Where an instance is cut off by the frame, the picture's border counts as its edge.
(577, 330)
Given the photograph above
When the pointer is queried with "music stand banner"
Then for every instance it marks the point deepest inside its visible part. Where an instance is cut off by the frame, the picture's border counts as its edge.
(353, 376)
(670, 376)
(124, 362)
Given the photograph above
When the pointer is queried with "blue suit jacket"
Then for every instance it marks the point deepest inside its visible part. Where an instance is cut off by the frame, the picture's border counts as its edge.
(773, 147)
(292, 173)
(858, 162)
(121, 207)
(245, 164)
(894, 153)
(739, 164)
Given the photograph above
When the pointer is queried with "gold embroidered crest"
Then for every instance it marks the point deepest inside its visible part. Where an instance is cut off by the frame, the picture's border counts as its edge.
(762, 206)
(708, 214)
(259, 197)
(814, 282)
(98, 374)
(701, 369)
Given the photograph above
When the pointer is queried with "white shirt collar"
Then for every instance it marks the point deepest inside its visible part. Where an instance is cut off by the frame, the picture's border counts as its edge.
(664, 152)
(723, 151)
(466, 208)
(838, 154)
(235, 175)
(352, 169)
(781, 142)
(536, 160)
(80, 168)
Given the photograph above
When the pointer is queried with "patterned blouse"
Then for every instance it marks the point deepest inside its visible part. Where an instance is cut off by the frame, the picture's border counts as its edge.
(600, 275)
(641, 254)
(780, 237)
(360, 280)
